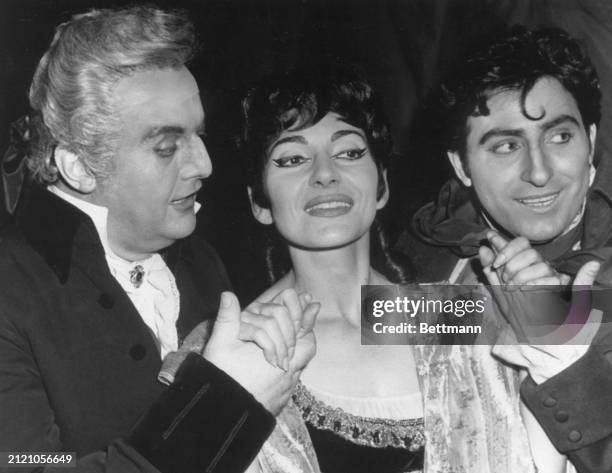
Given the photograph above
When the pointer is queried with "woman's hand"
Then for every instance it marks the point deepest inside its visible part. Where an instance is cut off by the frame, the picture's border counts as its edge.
(277, 326)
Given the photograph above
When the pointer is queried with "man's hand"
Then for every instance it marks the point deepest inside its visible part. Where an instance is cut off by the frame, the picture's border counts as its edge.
(244, 361)
(515, 262)
(565, 339)
(545, 361)
(511, 268)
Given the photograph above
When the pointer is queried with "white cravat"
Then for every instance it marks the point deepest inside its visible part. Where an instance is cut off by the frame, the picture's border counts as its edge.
(156, 298)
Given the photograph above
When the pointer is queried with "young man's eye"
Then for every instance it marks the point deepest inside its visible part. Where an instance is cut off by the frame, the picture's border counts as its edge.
(289, 161)
(505, 147)
(561, 137)
(351, 154)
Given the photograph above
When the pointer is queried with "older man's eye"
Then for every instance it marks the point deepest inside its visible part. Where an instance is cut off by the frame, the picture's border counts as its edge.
(351, 154)
(167, 147)
(289, 161)
(166, 152)
(505, 147)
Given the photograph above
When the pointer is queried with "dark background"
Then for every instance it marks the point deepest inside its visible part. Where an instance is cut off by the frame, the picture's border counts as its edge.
(404, 46)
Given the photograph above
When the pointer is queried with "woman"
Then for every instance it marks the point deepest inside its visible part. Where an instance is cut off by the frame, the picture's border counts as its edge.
(317, 153)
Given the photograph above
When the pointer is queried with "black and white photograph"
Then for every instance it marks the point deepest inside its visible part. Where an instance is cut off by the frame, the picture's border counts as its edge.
(200, 198)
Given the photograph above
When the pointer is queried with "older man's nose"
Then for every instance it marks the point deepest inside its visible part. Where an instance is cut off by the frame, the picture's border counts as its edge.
(198, 165)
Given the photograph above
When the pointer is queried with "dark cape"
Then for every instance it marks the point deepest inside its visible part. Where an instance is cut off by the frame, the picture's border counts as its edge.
(452, 227)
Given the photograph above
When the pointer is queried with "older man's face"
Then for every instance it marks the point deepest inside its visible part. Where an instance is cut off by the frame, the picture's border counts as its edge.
(530, 173)
(159, 163)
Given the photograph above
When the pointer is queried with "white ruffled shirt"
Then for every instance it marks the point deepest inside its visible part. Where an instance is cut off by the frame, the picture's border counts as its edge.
(156, 298)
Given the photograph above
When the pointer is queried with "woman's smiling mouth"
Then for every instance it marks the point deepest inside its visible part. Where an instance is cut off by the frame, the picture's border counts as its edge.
(329, 205)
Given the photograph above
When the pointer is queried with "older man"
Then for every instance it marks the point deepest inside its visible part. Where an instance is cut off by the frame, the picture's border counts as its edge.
(522, 114)
(101, 279)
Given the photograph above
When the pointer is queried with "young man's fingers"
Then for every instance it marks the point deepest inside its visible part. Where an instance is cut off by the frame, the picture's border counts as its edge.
(543, 281)
(521, 261)
(506, 252)
(486, 256)
(587, 274)
(533, 272)
(491, 276)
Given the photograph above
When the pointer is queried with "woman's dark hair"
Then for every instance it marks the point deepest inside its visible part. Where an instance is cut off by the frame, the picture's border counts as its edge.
(515, 60)
(299, 99)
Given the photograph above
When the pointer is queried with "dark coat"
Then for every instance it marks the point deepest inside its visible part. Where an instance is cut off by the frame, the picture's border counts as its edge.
(78, 366)
(575, 407)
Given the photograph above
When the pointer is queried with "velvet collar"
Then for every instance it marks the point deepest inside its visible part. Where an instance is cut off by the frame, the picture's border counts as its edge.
(59, 232)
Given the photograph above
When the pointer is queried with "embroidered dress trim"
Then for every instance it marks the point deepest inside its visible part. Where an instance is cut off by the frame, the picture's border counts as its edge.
(367, 431)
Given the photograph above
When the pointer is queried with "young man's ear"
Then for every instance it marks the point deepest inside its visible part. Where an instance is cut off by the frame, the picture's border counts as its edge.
(592, 138)
(73, 171)
(261, 214)
(460, 171)
(385, 197)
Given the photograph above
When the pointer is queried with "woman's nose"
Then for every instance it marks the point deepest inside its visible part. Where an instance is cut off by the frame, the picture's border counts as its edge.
(324, 172)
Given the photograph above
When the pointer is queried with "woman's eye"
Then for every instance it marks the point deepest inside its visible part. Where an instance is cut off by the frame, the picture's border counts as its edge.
(505, 147)
(351, 154)
(289, 161)
(561, 137)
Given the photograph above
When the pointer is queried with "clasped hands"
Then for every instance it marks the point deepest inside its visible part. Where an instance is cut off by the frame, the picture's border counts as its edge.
(264, 348)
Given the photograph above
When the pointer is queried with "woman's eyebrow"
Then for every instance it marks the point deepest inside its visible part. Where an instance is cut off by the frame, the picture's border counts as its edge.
(289, 139)
(341, 133)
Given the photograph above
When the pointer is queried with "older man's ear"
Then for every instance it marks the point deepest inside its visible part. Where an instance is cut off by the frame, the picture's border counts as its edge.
(74, 172)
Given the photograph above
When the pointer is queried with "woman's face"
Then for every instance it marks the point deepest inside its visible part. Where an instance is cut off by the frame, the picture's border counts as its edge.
(321, 183)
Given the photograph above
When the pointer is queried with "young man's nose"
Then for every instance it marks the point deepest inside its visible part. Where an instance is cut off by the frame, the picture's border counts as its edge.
(537, 169)
(324, 172)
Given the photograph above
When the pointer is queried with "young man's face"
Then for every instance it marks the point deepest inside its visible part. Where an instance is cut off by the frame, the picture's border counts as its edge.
(530, 175)
(159, 163)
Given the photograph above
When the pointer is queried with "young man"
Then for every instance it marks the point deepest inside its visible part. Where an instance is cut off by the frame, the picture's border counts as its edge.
(522, 115)
(101, 278)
